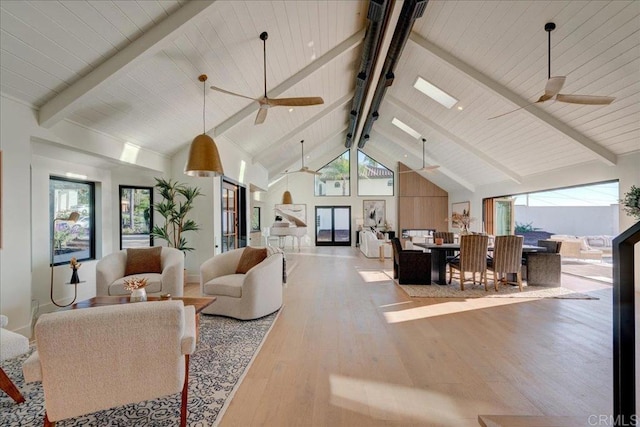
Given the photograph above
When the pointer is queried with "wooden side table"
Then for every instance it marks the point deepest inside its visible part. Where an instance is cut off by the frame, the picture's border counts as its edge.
(381, 249)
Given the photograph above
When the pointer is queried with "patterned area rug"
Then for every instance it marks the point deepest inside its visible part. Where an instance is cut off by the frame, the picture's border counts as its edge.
(225, 350)
(477, 291)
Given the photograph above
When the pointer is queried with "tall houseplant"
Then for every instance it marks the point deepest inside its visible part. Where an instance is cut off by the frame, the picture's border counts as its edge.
(177, 201)
(631, 202)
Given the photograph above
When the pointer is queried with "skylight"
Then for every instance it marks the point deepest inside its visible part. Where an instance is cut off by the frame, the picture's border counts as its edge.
(405, 127)
(435, 93)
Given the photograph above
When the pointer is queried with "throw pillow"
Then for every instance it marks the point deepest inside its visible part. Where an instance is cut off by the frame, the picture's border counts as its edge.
(143, 260)
(250, 258)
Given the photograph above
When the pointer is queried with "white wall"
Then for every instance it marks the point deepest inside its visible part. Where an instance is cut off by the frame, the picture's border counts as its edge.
(571, 220)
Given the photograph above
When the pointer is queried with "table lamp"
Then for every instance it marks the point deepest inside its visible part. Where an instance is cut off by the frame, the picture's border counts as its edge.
(73, 217)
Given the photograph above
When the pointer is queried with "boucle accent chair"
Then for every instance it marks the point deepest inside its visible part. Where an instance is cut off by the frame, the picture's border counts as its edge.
(507, 259)
(410, 266)
(165, 273)
(249, 295)
(98, 358)
(473, 259)
(11, 345)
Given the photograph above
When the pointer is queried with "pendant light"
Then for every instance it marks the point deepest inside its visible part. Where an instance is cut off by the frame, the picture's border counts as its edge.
(203, 159)
(286, 196)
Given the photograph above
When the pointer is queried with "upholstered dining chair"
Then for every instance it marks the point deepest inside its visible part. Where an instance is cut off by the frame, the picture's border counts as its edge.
(472, 258)
(410, 266)
(446, 236)
(507, 259)
(98, 358)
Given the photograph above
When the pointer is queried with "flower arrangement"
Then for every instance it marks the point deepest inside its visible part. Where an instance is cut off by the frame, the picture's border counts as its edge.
(631, 202)
(461, 220)
(133, 283)
(74, 264)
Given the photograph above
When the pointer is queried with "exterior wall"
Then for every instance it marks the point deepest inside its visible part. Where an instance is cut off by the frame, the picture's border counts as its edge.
(572, 220)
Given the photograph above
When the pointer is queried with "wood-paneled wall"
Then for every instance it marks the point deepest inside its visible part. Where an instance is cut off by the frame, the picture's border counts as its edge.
(421, 203)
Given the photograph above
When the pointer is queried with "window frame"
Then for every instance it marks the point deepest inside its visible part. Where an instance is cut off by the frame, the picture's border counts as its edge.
(52, 219)
(151, 210)
(316, 184)
(393, 177)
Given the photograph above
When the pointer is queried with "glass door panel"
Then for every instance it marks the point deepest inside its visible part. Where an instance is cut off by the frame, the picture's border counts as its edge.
(333, 226)
(136, 217)
(504, 220)
(229, 217)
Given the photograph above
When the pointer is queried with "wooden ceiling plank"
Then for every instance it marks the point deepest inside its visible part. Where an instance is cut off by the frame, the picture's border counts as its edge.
(442, 169)
(150, 42)
(598, 150)
(459, 141)
(350, 43)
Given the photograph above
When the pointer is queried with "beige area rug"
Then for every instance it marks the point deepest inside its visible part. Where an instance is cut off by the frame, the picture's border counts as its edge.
(477, 291)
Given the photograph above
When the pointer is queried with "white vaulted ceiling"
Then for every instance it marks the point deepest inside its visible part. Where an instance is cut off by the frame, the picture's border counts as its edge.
(129, 69)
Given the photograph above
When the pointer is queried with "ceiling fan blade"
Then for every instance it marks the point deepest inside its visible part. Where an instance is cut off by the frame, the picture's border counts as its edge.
(262, 114)
(428, 169)
(295, 102)
(218, 89)
(307, 170)
(553, 86)
(585, 99)
(513, 111)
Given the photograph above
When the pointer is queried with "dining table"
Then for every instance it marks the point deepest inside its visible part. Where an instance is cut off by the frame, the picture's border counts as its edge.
(439, 257)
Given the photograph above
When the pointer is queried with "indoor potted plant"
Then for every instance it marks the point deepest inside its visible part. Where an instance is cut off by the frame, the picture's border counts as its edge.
(631, 202)
(177, 201)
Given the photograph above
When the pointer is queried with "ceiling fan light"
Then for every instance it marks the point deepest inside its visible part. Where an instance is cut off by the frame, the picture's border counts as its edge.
(203, 159)
(286, 198)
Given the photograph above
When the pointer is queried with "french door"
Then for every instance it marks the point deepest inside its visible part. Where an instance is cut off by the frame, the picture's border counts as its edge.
(333, 225)
(234, 221)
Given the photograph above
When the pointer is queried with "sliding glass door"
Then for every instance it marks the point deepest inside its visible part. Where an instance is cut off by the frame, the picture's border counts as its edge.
(333, 226)
(504, 219)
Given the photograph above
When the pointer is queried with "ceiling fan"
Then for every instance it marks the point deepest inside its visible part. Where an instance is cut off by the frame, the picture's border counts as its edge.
(424, 168)
(266, 102)
(554, 85)
(305, 168)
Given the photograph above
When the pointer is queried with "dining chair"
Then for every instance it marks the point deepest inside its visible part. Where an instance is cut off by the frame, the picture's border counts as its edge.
(472, 258)
(446, 236)
(507, 259)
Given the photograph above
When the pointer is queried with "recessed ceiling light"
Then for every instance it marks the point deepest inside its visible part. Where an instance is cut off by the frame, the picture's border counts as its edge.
(460, 108)
(290, 109)
(435, 93)
(403, 126)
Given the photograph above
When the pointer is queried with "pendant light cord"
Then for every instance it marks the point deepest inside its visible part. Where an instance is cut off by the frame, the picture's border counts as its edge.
(204, 101)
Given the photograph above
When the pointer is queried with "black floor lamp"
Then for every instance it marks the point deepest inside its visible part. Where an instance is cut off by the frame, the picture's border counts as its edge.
(73, 217)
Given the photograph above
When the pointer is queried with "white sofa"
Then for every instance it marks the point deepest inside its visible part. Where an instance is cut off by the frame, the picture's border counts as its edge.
(251, 295)
(110, 274)
(578, 247)
(370, 245)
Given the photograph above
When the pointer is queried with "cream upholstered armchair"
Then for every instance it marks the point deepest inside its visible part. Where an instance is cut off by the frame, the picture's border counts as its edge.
(163, 266)
(116, 359)
(247, 282)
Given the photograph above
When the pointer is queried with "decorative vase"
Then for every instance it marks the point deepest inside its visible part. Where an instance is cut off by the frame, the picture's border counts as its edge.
(464, 231)
(74, 277)
(138, 295)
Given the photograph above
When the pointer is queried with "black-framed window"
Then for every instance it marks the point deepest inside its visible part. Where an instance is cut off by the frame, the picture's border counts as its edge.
(335, 177)
(374, 178)
(136, 216)
(255, 219)
(71, 234)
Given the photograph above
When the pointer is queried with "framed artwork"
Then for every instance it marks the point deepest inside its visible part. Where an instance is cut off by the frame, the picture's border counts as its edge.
(459, 210)
(296, 214)
(374, 213)
(255, 219)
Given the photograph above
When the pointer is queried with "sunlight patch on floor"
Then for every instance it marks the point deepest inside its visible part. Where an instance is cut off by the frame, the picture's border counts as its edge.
(393, 402)
(373, 276)
(449, 307)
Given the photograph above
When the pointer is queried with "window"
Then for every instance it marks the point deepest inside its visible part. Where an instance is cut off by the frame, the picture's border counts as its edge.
(136, 217)
(334, 178)
(374, 179)
(71, 238)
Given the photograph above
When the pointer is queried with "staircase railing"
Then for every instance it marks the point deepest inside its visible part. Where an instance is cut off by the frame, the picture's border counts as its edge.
(624, 334)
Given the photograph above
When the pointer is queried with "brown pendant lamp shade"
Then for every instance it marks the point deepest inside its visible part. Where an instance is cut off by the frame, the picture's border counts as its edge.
(204, 159)
(286, 198)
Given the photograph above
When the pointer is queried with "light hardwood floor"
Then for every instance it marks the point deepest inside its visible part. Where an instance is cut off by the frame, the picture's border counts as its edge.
(352, 349)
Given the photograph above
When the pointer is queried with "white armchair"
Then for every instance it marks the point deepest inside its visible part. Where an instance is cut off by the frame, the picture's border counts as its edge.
(115, 360)
(370, 245)
(110, 274)
(254, 294)
(11, 345)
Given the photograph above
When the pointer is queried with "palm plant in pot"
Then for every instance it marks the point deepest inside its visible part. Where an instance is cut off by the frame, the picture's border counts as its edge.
(177, 201)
